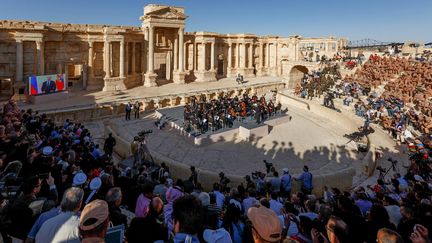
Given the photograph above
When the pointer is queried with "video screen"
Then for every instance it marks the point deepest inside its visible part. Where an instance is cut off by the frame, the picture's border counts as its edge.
(46, 84)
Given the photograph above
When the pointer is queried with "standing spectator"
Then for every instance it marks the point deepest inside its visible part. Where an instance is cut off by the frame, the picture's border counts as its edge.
(286, 185)
(306, 180)
(250, 200)
(114, 199)
(194, 175)
(275, 182)
(134, 147)
(220, 198)
(275, 205)
(64, 227)
(188, 218)
(94, 222)
(110, 142)
(128, 110)
(136, 108)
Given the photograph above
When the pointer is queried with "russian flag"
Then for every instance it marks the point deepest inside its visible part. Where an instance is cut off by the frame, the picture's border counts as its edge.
(33, 85)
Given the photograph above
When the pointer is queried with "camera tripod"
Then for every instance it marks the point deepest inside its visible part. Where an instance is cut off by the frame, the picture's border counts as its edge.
(384, 172)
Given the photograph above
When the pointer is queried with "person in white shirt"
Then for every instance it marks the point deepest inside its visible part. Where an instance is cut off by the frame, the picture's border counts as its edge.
(64, 227)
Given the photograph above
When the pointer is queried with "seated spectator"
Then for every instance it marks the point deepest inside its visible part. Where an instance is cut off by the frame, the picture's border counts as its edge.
(114, 200)
(64, 227)
(94, 222)
(270, 231)
(388, 236)
(151, 226)
(338, 231)
(188, 217)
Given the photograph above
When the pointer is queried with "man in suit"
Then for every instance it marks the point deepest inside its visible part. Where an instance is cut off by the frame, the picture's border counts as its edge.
(48, 86)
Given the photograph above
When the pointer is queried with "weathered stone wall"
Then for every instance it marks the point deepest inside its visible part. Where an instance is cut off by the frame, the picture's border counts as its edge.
(7, 59)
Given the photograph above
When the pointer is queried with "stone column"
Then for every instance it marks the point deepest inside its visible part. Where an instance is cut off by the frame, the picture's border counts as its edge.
(276, 54)
(90, 59)
(122, 58)
(179, 74)
(237, 59)
(261, 54)
(181, 50)
(175, 53)
(243, 54)
(110, 58)
(203, 58)
(212, 64)
(268, 55)
(250, 55)
(19, 61)
(133, 58)
(40, 57)
(126, 59)
(150, 76)
(106, 59)
(229, 55)
(151, 51)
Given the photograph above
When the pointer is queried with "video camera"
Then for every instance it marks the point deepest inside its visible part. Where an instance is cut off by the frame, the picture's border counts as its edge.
(144, 132)
(256, 174)
(380, 169)
(268, 165)
(393, 161)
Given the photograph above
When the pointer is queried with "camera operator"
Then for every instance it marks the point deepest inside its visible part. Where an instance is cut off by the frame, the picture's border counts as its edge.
(269, 166)
(142, 148)
(134, 147)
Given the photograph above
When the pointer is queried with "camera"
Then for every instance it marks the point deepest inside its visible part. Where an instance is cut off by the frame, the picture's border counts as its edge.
(380, 169)
(268, 165)
(144, 132)
(393, 161)
(256, 175)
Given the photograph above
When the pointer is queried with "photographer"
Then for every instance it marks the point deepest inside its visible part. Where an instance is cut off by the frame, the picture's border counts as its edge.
(135, 152)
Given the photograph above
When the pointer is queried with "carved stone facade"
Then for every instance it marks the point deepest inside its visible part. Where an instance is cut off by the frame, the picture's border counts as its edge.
(102, 57)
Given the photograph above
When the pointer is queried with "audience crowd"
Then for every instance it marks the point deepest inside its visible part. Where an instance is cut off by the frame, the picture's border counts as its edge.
(58, 185)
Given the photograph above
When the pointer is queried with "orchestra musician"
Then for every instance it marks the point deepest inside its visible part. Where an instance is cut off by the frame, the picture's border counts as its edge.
(200, 114)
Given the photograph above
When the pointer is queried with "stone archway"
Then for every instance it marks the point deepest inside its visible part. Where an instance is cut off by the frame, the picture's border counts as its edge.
(296, 75)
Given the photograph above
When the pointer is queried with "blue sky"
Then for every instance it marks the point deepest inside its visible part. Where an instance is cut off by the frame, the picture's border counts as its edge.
(384, 20)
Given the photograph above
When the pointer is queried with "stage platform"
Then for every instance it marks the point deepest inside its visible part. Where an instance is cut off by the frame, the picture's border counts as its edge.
(247, 129)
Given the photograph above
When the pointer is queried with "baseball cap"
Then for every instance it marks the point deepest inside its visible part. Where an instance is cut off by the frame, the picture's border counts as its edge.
(95, 183)
(217, 236)
(418, 178)
(266, 223)
(47, 151)
(94, 214)
(79, 179)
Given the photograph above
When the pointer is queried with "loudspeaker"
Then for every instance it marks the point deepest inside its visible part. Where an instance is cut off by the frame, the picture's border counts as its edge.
(21, 91)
